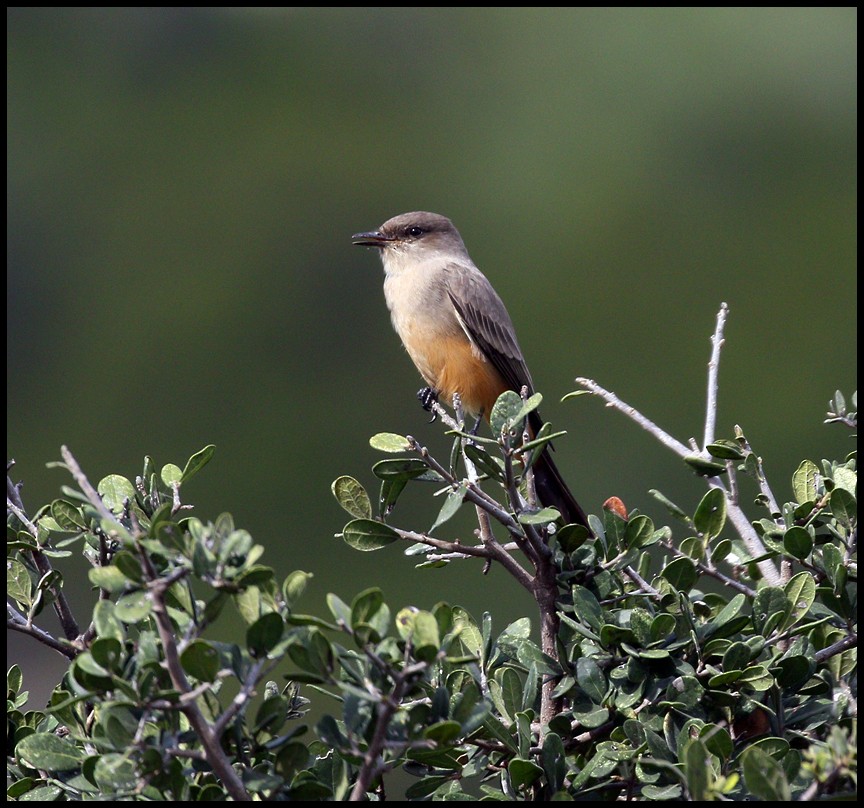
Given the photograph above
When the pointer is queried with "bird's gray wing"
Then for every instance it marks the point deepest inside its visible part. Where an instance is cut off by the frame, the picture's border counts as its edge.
(485, 320)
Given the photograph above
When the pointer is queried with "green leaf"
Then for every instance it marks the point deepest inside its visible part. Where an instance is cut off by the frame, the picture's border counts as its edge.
(805, 482)
(717, 741)
(109, 578)
(528, 406)
(467, 631)
(197, 462)
(489, 465)
(770, 607)
(764, 776)
(389, 442)
(511, 692)
(541, 517)
(844, 506)
(130, 565)
(674, 509)
(703, 467)
(389, 494)
(295, 585)
(553, 758)
(264, 634)
(662, 627)
(133, 607)
(18, 584)
(352, 496)
(800, 592)
(587, 608)
(44, 750)
(425, 636)
(523, 772)
(710, 516)
(571, 537)
(115, 772)
(756, 677)
(368, 534)
(339, 609)
(201, 660)
(171, 474)
(106, 622)
(504, 410)
(107, 652)
(638, 533)
(544, 435)
(798, 542)
(67, 516)
(640, 625)
(115, 491)
(366, 605)
(681, 573)
(403, 468)
(14, 679)
(451, 505)
(725, 450)
(443, 733)
(591, 679)
(736, 657)
(845, 479)
(696, 763)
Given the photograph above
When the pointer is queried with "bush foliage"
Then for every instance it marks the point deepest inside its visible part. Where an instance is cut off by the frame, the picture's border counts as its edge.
(715, 660)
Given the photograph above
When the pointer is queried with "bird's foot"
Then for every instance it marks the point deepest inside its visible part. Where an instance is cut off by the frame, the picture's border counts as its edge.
(428, 397)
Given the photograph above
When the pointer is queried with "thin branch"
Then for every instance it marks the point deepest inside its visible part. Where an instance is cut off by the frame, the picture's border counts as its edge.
(849, 641)
(641, 582)
(761, 479)
(241, 700)
(713, 366)
(491, 550)
(387, 708)
(61, 605)
(84, 484)
(216, 757)
(631, 412)
(17, 622)
(737, 516)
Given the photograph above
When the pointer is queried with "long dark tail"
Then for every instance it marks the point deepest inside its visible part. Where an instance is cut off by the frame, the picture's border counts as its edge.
(552, 491)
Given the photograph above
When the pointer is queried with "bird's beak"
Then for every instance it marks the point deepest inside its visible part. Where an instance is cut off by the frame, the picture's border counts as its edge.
(373, 239)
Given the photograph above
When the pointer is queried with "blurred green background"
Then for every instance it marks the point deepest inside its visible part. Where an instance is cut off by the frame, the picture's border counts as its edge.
(182, 185)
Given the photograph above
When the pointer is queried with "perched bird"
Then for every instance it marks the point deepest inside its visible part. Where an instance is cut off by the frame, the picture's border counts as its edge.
(457, 330)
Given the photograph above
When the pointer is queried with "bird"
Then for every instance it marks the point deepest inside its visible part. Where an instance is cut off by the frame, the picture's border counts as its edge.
(457, 330)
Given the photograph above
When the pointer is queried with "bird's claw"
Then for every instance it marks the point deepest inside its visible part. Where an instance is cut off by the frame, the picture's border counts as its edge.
(428, 397)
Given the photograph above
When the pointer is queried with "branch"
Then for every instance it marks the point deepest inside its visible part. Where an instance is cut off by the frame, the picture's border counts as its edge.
(61, 605)
(631, 412)
(84, 484)
(16, 622)
(216, 757)
(387, 708)
(490, 550)
(713, 365)
(849, 641)
(736, 515)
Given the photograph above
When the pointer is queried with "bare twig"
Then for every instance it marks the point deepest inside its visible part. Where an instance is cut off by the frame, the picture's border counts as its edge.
(17, 622)
(734, 512)
(713, 366)
(631, 412)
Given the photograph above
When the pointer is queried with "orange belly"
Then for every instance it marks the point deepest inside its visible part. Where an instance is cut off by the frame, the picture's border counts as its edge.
(451, 365)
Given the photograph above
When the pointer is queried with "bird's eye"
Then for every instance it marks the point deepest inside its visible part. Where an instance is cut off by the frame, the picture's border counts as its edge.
(414, 232)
